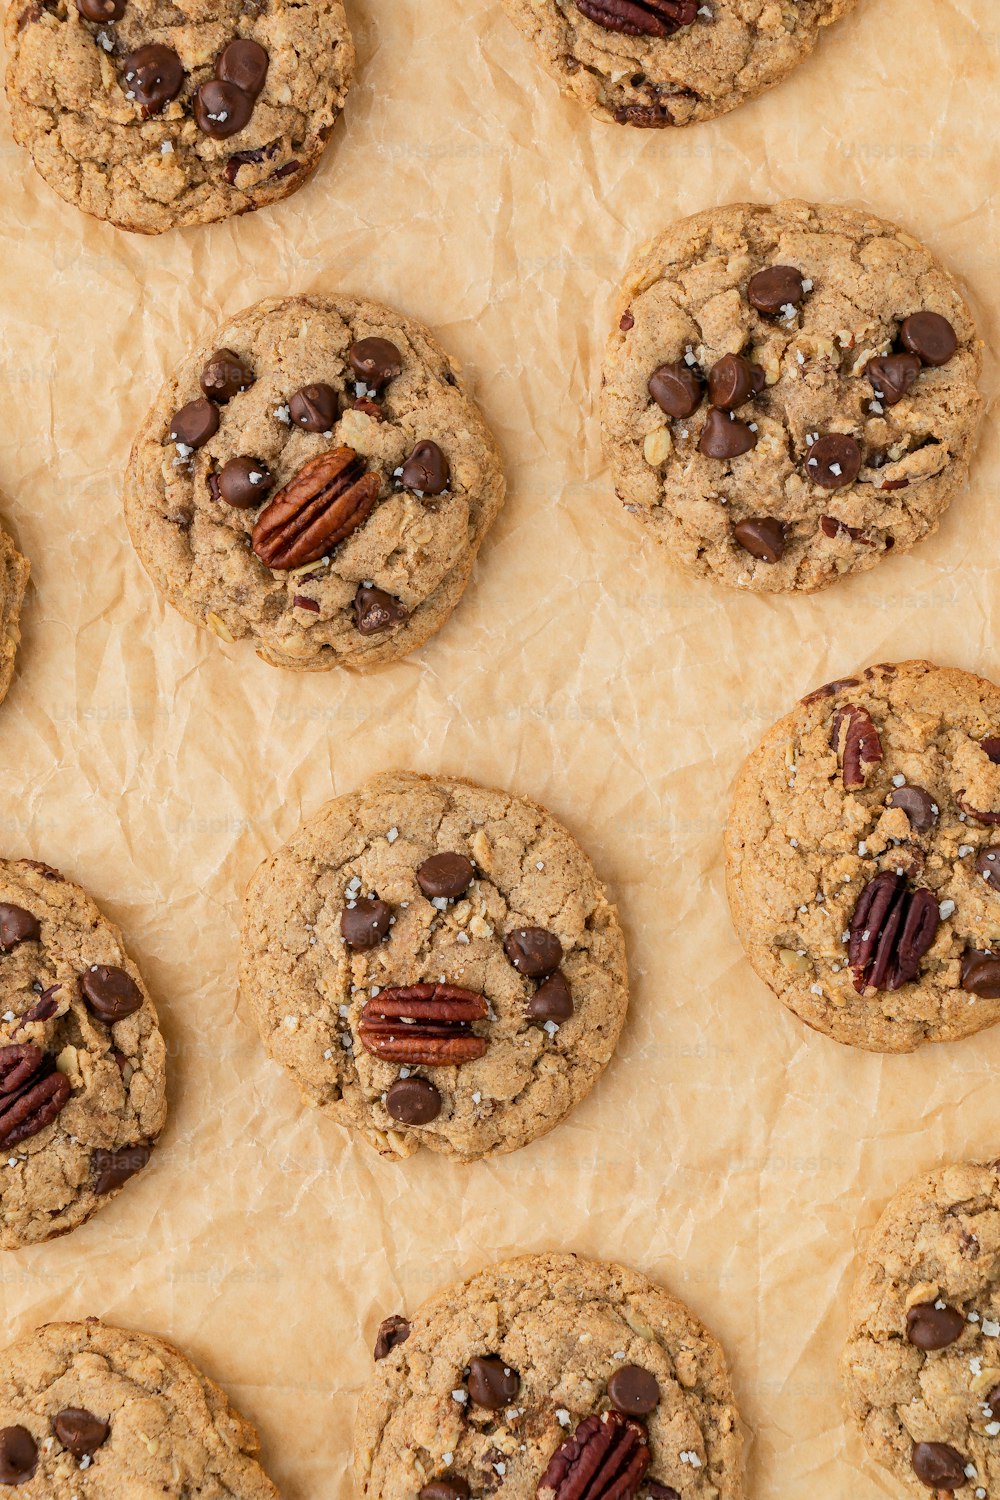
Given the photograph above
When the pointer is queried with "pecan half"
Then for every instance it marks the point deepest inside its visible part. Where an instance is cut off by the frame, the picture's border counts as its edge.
(857, 744)
(640, 17)
(605, 1459)
(891, 930)
(328, 499)
(424, 1023)
(32, 1093)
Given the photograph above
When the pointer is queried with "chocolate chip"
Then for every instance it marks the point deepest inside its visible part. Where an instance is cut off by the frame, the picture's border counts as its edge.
(981, 974)
(314, 408)
(732, 380)
(724, 436)
(365, 924)
(110, 1169)
(375, 362)
(891, 376)
(677, 389)
(761, 536)
(446, 875)
(931, 1327)
(195, 423)
(80, 1431)
(17, 926)
(988, 866)
(221, 109)
(533, 951)
(18, 1455)
(243, 63)
(392, 1332)
(101, 10)
(492, 1383)
(152, 77)
(452, 1488)
(244, 482)
(775, 288)
(918, 805)
(991, 748)
(993, 1402)
(109, 993)
(833, 461)
(223, 375)
(426, 469)
(552, 1001)
(375, 610)
(413, 1101)
(635, 1391)
(929, 336)
(654, 1490)
(939, 1466)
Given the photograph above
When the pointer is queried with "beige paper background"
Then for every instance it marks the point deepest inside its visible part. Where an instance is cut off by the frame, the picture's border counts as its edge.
(728, 1152)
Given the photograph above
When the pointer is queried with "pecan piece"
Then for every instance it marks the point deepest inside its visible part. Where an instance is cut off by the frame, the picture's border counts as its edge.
(640, 17)
(32, 1093)
(891, 930)
(857, 744)
(328, 499)
(429, 1024)
(605, 1459)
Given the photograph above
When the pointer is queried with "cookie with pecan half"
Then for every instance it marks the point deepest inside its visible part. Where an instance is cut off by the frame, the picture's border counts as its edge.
(14, 570)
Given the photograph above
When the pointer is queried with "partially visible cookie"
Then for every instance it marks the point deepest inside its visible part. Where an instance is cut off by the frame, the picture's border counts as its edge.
(790, 392)
(540, 1375)
(14, 570)
(436, 964)
(657, 63)
(863, 857)
(922, 1363)
(90, 1410)
(158, 116)
(316, 479)
(82, 1061)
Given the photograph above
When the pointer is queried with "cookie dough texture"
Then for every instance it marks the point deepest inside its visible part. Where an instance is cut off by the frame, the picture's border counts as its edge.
(48, 1182)
(800, 849)
(14, 571)
(937, 1241)
(70, 107)
(307, 989)
(419, 550)
(172, 1430)
(726, 57)
(685, 297)
(565, 1325)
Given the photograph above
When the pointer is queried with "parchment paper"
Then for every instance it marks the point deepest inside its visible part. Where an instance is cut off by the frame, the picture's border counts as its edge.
(728, 1152)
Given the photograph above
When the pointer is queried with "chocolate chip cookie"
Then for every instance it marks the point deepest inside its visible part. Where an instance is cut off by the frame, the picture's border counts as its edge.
(14, 570)
(863, 857)
(157, 116)
(436, 964)
(90, 1410)
(655, 63)
(922, 1364)
(82, 1063)
(316, 479)
(789, 393)
(549, 1376)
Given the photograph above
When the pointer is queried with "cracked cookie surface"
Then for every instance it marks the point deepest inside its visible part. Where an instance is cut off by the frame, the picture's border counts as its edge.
(78, 1036)
(407, 557)
(87, 1409)
(922, 1362)
(726, 53)
(769, 507)
(341, 915)
(860, 852)
(14, 570)
(142, 160)
(572, 1338)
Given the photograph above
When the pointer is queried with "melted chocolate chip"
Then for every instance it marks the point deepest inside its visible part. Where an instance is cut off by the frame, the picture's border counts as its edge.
(762, 536)
(375, 610)
(634, 1391)
(109, 993)
(17, 926)
(221, 109)
(445, 875)
(244, 482)
(929, 336)
(314, 408)
(195, 423)
(101, 11)
(18, 1455)
(939, 1466)
(931, 1327)
(450, 1488)
(492, 1383)
(413, 1101)
(365, 924)
(243, 63)
(533, 951)
(988, 866)
(392, 1332)
(676, 388)
(775, 288)
(724, 436)
(918, 805)
(223, 375)
(111, 1169)
(891, 376)
(426, 470)
(552, 1001)
(980, 974)
(152, 76)
(732, 381)
(80, 1431)
(375, 362)
(833, 461)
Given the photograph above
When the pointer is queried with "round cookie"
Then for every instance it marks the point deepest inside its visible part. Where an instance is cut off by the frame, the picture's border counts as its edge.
(655, 63)
(317, 479)
(155, 117)
(921, 1366)
(14, 570)
(436, 964)
(861, 851)
(82, 1062)
(789, 393)
(90, 1410)
(512, 1384)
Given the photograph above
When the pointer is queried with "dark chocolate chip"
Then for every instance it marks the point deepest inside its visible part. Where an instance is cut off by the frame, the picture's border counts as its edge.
(993, 1402)
(533, 951)
(109, 993)
(762, 537)
(445, 875)
(732, 381)
(939, 1466)
(375, 610)
(101, 11)
(931, 1327)
(110, 1169)
(195, 423)
(365, 924)
(552, 1001)
(244, 482)
(724, 436)
(981, 974)
(677, 388)
(833, 461)
(413, 1101)
(653, 1490)
(492, 1383)
(392, 1332)
(891, 376)
(17, 926)
(221, 109)
(929, 336)
(152, 77)
(988, 866)
(775, 288)
(243, 63)
(426, 469)
(991, 748)
(314, 408)
(918, 805)
(375, 362)
(18, 1455)
(634, 1391)
(451, 1488)
(80, 1431)
(223, 375)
